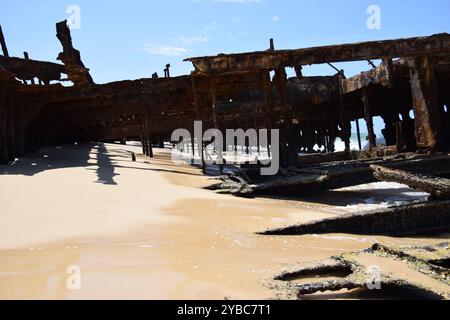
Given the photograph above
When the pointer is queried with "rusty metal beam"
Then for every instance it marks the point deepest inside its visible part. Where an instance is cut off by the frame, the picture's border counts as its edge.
(247, 62)
(3, 43)
(71, 57)
(25, 69)
(141, 87)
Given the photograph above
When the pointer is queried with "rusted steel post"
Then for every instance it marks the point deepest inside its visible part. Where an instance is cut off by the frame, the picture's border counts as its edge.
(256, 126)
(7, 116)
(167, 71)
(425, 103)
(147, 151)
(4, 155)
(202, 146)
(3, 43)
(247, 142)
(144, 141)
(400, 144)
(19, 127)
(150, 149)
(215, 113)
(324, 126)
(372, 64)
(368, 118)
(27, 57)
(288, 133)
(280, 82)
(269, 118)
(161, 144)
(345, 125)
(299, 72)
(446, 128)
(195, 97)
(267, 87)
(197, 113)
(149, 135)
(358, 132)
(214, 106)
(192, 141)
(11, 126)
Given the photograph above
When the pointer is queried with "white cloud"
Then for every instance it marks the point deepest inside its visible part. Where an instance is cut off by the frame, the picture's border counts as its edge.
(176, 47)
(193, 39)
(275, 18)
(164, 50)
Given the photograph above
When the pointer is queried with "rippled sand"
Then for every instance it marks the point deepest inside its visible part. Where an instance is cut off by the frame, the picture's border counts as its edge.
(146, 230)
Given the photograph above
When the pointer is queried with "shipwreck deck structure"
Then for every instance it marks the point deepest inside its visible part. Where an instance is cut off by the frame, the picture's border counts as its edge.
(234, 91)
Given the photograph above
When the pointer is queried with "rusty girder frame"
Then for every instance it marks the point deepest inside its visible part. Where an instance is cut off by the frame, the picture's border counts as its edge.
(228, 91)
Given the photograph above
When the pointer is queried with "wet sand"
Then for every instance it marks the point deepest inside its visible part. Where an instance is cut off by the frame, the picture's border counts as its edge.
(146, 229)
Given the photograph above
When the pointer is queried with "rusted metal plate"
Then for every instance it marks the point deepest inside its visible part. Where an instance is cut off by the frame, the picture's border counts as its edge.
(425, 103)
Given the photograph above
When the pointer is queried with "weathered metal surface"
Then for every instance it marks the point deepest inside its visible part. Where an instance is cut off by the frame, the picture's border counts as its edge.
(382, 75)
(436, 186)
(409, 47)
(71, 57)
(332, 171)
(425, 102)
(25, 69)
(412, 219)
(311, 91)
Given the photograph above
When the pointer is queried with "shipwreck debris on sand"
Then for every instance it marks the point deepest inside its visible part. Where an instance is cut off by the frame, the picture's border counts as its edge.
(416, 272)
(438, 187)
(431, 217)
(422, 218)
(336, 175)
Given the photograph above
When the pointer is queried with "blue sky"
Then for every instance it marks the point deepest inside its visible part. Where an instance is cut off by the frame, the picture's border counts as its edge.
(132, 39)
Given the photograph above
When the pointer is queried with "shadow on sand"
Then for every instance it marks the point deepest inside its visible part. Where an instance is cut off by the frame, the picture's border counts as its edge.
(105, 167)
(69, 156)
(92, 156)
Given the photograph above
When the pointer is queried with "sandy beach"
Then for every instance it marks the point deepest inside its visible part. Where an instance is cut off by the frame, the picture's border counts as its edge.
(147, 230)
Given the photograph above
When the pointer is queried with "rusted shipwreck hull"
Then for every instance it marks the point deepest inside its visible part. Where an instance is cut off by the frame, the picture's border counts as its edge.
(233, 91)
